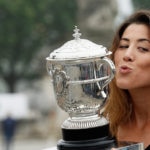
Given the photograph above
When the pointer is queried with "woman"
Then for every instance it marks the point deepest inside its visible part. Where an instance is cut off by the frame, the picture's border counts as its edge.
(128, 105)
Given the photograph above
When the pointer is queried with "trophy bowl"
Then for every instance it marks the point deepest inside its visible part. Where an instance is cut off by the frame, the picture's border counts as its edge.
(80, 72)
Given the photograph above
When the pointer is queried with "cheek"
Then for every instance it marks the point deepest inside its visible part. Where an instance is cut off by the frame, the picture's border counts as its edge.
(143, 71)
(116, 57)
(144, 65)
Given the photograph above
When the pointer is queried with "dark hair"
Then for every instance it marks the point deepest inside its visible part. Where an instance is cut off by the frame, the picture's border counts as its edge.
(139, 17)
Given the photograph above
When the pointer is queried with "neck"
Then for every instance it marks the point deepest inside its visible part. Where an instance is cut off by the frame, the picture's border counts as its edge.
(138, 128)
(141, 104)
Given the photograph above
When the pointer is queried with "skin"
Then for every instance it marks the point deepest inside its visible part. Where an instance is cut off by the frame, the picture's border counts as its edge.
(132, 61)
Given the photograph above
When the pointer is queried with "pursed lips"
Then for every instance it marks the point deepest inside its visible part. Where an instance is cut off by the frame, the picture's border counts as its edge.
(124, 69)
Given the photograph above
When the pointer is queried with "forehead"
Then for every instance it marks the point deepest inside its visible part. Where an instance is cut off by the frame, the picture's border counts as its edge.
(137, 30)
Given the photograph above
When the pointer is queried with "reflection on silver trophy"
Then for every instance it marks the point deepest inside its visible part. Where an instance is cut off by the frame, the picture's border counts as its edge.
(80, 72)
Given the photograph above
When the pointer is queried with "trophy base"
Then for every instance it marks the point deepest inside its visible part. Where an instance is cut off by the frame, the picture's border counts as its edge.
(95, 144)
(97, 138)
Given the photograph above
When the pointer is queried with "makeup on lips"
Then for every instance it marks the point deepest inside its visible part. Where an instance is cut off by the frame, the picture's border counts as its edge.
(124, 69)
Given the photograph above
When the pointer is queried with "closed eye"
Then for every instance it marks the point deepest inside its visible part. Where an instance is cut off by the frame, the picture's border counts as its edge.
(143, 49)
(123, 46)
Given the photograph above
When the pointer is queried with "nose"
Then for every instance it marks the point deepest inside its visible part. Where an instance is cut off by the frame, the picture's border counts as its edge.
(128, 55)
(127, 58)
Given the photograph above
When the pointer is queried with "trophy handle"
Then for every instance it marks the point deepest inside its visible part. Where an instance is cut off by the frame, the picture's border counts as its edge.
(111, 71)
(111, 66)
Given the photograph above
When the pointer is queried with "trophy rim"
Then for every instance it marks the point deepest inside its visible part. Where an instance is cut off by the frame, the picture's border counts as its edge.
(77, 60)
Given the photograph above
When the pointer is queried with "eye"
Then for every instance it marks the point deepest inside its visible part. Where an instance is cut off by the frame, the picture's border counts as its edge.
(143, 49)
(123, 46)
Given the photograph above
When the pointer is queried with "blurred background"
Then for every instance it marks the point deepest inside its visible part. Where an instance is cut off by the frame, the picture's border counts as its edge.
(29, 31)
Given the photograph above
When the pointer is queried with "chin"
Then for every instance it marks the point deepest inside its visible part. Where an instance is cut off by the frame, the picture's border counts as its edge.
(123, 85)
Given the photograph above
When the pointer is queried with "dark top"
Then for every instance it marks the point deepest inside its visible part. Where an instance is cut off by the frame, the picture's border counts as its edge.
(148, 148)
(8, 127)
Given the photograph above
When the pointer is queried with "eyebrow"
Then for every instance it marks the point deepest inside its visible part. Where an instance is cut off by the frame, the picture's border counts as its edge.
(140, 40)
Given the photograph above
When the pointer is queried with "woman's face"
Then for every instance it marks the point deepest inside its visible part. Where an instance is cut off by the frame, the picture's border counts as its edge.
(132, 58)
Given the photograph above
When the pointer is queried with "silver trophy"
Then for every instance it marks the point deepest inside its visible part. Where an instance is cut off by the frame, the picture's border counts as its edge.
(80, 72)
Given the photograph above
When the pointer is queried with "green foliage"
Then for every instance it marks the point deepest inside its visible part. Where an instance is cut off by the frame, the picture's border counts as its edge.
(141, 4)
(27, 25)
